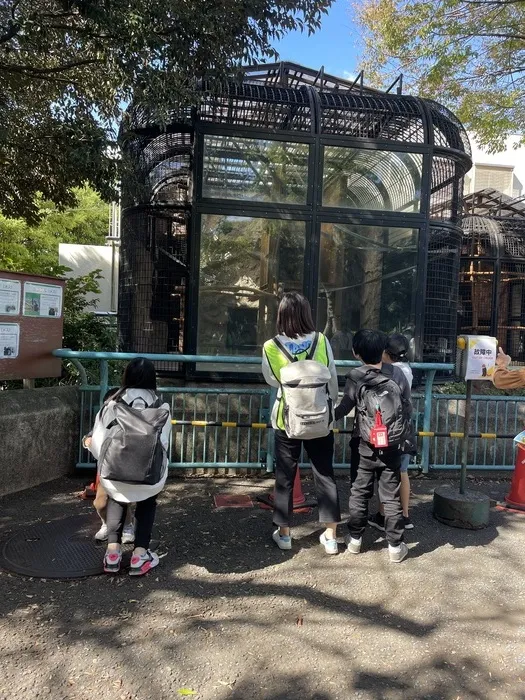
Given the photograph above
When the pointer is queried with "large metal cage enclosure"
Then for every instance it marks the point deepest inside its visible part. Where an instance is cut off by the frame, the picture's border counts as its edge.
(291, 179)
(492, 275)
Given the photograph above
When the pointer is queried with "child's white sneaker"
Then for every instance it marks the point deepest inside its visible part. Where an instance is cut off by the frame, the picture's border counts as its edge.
(282, 541)
(397, 554)
(112, 562)
(352, 545)
(102, 534)
(330, 546)
(128, 534)
(142, 563)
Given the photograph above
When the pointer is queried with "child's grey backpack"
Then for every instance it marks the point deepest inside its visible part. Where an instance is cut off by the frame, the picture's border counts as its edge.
(307, 409)
(132, 451)
(377, 389)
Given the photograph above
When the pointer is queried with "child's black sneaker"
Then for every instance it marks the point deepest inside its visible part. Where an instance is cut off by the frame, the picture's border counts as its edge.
(377, 521)
(409, 525)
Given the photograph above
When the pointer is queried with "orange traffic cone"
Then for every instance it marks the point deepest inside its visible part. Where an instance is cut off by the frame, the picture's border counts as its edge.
(300, 503)
(516, 497)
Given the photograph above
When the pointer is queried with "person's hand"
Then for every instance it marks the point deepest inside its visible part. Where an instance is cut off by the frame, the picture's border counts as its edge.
(503, 360)
(87, 442)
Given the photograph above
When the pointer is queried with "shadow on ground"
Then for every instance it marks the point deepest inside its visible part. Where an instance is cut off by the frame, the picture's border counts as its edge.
(227, 615)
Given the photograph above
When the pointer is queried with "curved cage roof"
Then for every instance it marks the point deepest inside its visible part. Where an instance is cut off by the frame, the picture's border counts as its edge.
(287, 97)
(493, 237)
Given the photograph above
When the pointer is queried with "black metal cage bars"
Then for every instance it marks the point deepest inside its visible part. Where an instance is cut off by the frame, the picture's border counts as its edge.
(492, 275)
(290, 178)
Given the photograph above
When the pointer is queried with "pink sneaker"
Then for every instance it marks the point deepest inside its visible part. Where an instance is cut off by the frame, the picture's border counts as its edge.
(112, 562)
(142, 563)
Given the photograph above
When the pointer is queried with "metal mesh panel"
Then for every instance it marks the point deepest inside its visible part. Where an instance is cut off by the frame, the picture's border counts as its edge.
(446, 189)
(448, 130)
(372, 117)
(441, 295)
(491, 244)
(153, 281)
(259, 106)
(510, 329)
(476, 287)
(158, 169)
(481, 237)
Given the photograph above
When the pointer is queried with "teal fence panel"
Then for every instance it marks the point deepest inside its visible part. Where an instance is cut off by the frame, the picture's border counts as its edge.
(226, 448)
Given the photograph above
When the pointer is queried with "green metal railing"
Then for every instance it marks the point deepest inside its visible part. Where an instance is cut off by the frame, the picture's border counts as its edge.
(236, 446)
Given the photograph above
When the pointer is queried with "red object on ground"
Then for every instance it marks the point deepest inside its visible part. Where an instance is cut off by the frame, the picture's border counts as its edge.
(226, 500)
(516, 497)
(300, 503)
(91, 490)
(298, 495)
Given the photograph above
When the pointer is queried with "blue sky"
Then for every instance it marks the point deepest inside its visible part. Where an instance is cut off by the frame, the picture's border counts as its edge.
(334, 46)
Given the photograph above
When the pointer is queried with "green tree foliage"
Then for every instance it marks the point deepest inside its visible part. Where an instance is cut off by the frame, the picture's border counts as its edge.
(68, 68)
(34, 249)
(82, 329)
(469, 54)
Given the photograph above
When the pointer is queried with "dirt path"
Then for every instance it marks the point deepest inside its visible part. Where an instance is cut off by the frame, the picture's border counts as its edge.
(229, 616)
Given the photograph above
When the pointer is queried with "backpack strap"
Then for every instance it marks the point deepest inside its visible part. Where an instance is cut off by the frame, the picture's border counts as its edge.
(369, 378)
(313, 346)
(387, 370)
(284, 351)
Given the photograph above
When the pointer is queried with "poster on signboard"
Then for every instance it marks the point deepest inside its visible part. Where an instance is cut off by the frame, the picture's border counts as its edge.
(42, 300)
(10, 293)
(9, 340)
(481, 357)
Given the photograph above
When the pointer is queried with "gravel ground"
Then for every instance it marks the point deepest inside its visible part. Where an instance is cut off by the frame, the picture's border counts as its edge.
(228, 616)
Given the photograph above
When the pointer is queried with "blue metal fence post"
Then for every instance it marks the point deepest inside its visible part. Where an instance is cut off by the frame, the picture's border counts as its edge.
(104, 379)
(270, 454)
(427, 417)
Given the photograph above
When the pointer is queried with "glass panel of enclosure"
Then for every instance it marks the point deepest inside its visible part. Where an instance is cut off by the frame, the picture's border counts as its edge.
(368, 179)
(258, 170)
(367, 279)
(246, 263)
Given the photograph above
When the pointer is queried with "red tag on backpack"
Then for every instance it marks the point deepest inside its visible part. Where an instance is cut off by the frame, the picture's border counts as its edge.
(379, 433)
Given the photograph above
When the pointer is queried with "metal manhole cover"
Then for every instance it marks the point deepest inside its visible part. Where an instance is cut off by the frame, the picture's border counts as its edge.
(64, 548)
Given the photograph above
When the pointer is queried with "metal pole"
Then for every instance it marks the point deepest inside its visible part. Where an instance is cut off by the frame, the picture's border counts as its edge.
(464, 444)
(427, 416)
(104, 379)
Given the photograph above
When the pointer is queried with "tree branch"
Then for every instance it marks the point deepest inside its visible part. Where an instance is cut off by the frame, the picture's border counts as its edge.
(11, 32)
(46, 71)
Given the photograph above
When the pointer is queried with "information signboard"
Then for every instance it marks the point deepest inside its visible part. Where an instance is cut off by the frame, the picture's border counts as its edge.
(477, 357)
(31, 325)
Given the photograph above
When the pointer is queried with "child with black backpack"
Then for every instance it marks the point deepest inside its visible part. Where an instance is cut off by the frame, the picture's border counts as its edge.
(396, 352)
(381, 395)
(130, 441)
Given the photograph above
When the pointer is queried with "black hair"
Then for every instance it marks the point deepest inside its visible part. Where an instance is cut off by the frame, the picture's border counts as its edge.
(140, 374)
(109, 394)
(369, 345)
(294, 316)
(397, 347)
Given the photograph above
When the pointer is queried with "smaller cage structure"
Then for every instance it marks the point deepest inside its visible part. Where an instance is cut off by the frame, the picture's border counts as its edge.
(492, 274)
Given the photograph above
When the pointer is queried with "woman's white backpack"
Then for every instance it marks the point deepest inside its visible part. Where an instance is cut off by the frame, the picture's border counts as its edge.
(307, 406)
